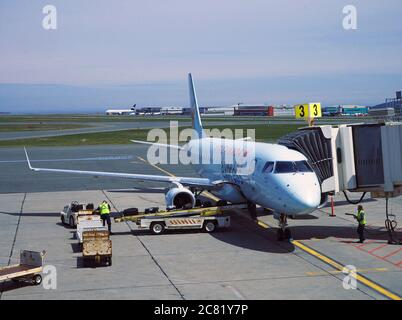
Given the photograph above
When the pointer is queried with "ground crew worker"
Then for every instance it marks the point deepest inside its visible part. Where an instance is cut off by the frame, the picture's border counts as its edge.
(104, 210)
(361, 219)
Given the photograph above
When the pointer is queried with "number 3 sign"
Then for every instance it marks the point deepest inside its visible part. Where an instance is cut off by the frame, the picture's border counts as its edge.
(308, 110)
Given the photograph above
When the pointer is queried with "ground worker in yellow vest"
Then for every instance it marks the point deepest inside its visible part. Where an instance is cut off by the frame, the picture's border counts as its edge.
(104, 210)
(361, 219)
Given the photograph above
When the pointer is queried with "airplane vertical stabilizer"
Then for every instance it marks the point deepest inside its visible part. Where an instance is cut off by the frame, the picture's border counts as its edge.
(195, 111)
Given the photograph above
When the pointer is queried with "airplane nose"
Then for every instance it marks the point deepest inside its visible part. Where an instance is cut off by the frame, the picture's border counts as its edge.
(310, 199)
(304, 195)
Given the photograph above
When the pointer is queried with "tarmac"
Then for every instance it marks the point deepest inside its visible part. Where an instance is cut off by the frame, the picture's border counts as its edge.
(243, 262)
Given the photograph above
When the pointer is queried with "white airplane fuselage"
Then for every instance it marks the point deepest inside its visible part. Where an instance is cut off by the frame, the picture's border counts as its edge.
(271, 181)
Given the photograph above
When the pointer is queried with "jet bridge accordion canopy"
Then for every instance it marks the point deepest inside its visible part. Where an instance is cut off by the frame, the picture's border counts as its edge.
(315, 147)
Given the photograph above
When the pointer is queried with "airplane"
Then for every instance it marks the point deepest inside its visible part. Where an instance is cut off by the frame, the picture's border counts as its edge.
(281, 180)
(121, 112)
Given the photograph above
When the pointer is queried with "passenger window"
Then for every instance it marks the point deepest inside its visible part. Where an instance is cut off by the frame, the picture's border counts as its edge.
(268, 167)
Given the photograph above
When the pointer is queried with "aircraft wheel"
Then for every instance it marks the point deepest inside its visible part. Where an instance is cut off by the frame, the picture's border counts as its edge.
(280, 235)
(252, 208)
(288, 234)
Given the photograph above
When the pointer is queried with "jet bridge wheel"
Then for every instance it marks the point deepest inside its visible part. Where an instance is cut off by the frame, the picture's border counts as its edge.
(157, 227)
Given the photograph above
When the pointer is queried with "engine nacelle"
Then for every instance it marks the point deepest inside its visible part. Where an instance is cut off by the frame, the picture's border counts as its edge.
(180, 197)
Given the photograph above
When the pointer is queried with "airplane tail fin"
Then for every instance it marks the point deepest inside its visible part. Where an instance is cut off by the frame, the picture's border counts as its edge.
(195, 112)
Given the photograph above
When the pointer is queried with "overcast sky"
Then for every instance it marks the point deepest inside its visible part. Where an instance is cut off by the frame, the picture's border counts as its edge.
(117, 53)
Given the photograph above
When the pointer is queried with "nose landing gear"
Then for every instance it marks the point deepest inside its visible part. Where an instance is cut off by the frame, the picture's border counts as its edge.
(283, 232)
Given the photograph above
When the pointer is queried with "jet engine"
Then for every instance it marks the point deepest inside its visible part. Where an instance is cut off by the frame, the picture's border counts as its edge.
(180, 197)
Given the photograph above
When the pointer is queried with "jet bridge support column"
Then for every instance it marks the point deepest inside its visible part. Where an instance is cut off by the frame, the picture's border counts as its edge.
(391, 225)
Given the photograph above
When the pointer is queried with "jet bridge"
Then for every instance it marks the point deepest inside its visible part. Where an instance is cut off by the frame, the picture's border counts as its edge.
(353, 157)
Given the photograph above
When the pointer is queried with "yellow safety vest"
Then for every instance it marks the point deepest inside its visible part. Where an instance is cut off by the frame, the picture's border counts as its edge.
(361, 217)
(104, 208)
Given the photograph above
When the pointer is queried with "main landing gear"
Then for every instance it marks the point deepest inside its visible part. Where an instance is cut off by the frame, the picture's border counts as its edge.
(252, 209)
(283, 232)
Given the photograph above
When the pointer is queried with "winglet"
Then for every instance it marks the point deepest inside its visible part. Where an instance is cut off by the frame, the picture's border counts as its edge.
(29, 162)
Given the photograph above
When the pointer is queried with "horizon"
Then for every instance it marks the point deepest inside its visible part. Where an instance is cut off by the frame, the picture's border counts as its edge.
(107, 55)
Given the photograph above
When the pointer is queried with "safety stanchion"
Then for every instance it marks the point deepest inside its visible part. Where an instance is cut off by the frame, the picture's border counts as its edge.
(332, 207)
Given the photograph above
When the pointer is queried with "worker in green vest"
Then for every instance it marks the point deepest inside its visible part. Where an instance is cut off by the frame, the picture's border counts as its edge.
(104, 210)
(361, 219)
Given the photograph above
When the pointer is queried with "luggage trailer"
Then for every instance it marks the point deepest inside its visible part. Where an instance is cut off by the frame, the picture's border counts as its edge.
(28, 270)
(207, 219)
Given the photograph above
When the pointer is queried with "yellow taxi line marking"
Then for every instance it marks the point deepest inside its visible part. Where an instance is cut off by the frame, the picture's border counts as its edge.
(307, 249)
(263, 224)
(156, 167)
(339, 272)
(338, 266)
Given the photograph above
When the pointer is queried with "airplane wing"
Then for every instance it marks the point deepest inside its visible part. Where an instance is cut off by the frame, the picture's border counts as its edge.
(187, 181)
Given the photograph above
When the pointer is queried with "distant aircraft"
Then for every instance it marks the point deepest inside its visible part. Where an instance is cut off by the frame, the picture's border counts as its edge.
(282, 179)
(121, 111)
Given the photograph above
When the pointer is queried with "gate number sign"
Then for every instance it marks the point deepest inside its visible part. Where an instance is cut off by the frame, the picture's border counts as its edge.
(308, 110)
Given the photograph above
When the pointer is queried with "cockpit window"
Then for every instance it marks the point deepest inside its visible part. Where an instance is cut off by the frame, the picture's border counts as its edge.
(285, 167)
(268, 167)
(292, 167)
(303, 166)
